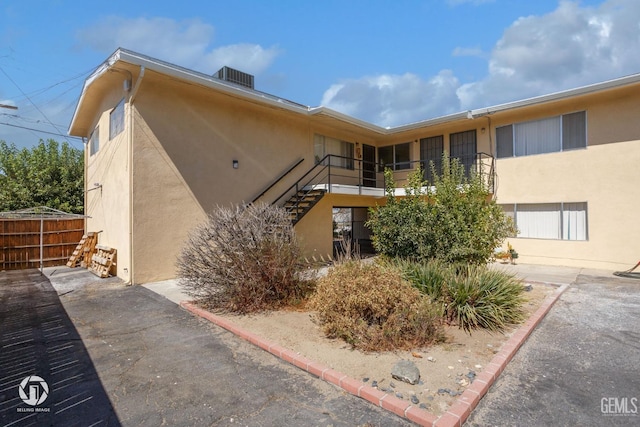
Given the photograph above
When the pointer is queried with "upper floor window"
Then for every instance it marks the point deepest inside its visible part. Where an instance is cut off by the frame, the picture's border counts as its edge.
(94, 141)
(549, 135)
(116, 120)
(395, 157)
(341, 151)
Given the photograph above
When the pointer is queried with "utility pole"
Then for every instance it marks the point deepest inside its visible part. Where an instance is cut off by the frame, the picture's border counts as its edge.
(10, 107)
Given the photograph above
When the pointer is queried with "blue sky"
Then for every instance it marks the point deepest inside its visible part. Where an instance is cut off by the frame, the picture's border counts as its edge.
(387, 62)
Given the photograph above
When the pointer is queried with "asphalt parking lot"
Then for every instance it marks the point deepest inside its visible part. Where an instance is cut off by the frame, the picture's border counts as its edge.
(580, 367)
(133, 358)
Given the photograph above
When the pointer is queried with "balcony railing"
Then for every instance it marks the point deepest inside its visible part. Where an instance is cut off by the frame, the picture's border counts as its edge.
(339, 174)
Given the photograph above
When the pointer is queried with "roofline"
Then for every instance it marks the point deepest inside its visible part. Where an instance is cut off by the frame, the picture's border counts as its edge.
(556, 96)
(210, 81)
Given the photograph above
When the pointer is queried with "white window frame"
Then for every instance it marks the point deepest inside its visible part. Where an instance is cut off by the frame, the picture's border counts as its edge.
(550, 129)
(94, 141)
(553, 221)
(116, 120)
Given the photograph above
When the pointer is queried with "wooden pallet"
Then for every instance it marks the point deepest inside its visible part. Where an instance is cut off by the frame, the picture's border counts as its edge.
(102, 261)
(82, 254)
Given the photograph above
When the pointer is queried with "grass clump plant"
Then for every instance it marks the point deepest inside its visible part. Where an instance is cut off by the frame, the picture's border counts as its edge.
(471, 297)
(371, 307)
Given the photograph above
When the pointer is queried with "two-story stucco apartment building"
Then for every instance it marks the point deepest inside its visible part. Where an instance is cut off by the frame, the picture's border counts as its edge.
(165, 144)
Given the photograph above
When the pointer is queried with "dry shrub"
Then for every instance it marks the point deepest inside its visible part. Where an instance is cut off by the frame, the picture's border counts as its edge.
(372, 308)
(243, 259)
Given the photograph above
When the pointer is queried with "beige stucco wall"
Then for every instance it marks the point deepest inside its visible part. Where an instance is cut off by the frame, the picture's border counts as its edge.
(605, 175)
(186, 138)
(315, 229)
(107, 204)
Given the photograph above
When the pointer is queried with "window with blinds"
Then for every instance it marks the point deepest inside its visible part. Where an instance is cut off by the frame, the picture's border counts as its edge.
(559, 221)
(560, 133)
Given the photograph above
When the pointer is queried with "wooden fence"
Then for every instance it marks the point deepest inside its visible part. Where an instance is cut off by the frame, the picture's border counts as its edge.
(21, 244)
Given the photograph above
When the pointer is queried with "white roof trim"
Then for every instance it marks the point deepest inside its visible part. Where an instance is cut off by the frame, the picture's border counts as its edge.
(250, 94)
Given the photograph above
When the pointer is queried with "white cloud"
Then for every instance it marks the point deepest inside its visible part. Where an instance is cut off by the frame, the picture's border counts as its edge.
(473, 2)
(567, 48)
(389, 100)
(187, 43)
(7, 102)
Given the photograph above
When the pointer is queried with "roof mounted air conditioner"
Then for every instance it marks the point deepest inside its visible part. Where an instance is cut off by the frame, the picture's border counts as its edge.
(231, 75)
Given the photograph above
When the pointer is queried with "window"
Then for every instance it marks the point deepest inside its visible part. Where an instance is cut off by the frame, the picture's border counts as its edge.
(341, 151)
(560, 133)
(561, 221)
(395, 157)
(94, 141)
(116, 120)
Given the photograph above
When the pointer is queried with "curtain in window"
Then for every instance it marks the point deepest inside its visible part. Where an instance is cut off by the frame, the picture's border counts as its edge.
(542, 221)
(574, 221)
(318, 147)
(323, 145)
(541, 136)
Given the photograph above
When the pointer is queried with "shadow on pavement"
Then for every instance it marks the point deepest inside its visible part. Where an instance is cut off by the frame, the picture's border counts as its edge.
(37, 338)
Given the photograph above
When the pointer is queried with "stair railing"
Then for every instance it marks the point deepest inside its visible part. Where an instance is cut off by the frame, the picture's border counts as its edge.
(277, 180)
(308, 178)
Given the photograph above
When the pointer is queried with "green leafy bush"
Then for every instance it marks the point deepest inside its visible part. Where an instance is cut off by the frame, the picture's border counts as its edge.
(454, 220)
(243, 259)
(372, 308)
(471, 296)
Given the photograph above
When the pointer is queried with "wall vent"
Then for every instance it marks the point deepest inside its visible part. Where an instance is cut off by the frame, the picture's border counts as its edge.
(231, 75)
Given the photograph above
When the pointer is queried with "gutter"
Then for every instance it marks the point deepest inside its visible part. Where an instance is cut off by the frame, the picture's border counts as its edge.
(206, 80)
(132, 96)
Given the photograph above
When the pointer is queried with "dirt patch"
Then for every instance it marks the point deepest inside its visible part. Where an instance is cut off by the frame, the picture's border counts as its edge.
(447, 366)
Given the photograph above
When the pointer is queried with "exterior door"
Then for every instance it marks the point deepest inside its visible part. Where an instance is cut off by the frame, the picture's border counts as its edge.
(431, 150)
(368, 165)
(464, 148)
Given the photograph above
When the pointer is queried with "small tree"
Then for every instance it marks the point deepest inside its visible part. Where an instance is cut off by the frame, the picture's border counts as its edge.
(242, 259)
(49, 174)
(455, 220)
(401, 228)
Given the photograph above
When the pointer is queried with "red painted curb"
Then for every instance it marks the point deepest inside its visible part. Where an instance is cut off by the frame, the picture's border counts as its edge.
(455, 416)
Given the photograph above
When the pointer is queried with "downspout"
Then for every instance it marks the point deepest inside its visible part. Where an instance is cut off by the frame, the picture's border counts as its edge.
(86, 177)
(132, 95)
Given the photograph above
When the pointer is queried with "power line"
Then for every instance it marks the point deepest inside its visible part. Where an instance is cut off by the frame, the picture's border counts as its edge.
(42, 131)
(36, 107)
(26, 119)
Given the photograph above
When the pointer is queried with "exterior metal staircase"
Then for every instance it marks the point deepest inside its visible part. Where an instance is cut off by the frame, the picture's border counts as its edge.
(300, 203)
